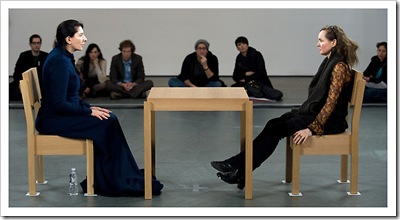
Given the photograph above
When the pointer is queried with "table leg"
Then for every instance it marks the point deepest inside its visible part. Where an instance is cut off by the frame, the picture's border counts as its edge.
(147, 127)
(243, 130)
(153, 142)
(248, 124)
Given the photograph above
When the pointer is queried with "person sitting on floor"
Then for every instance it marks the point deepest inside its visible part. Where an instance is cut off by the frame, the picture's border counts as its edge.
(376, 76)
(250, 72)
(199, 69)
(249, 65)
(92, 68)
(26, 60)
(127, 77)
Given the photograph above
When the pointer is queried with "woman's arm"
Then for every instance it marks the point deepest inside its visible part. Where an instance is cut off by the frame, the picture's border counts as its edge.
(186, 68)
(60, 80)
(101, 71)
(340, 76)
(213, 66)
(239, 74)
(260, 70)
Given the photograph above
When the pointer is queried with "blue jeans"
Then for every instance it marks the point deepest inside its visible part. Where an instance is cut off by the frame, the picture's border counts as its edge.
(375, 95)
(175, 82)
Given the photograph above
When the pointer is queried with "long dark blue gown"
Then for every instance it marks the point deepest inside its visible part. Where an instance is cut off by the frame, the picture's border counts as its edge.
(64, 113)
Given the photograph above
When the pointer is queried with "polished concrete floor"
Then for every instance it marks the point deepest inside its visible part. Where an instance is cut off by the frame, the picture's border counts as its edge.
(186, 142)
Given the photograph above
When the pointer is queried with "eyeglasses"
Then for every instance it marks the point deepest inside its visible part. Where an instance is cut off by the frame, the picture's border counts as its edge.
(36, 43)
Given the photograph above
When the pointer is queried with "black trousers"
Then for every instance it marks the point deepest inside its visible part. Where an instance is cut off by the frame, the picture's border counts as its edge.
(265, 143)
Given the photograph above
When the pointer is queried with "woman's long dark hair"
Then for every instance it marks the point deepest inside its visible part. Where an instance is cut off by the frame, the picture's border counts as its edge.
(65, 29)
(86, 58)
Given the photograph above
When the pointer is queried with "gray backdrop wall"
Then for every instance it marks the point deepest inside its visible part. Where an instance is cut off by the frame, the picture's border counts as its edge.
(286, 37)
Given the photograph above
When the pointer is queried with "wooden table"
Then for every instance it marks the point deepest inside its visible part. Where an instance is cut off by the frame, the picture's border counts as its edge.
(197, 99)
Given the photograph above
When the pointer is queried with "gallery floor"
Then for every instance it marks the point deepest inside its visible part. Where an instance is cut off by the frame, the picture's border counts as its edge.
(187, 142)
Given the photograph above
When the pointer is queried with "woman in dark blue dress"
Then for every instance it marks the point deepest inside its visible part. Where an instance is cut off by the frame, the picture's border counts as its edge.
(64, 113)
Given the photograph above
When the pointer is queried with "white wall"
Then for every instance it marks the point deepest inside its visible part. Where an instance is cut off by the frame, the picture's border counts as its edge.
(286, 37)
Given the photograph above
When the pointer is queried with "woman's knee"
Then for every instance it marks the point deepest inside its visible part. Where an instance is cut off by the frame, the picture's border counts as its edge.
(112, 117)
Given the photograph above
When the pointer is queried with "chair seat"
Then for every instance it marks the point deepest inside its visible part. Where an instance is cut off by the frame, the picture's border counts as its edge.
(326, 144)
(56, 145)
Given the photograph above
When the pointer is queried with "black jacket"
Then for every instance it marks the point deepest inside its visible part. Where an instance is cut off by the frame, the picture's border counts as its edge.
(253, 61)
(26, 61)
(117, 68)
(373, 68)
(188, 69)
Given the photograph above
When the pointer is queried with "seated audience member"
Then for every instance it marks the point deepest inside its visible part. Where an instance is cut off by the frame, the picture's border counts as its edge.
(376, 76)
(199, 69)
(250, 72)
(249, 65)
(92, 68)
(26, 60)
(323, 112)
(127, 77)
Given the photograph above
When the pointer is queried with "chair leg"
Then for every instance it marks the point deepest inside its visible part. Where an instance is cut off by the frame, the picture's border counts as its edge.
(89, 168)
(31, 171)
(354, 175)
(289, 164)
(343, 169)
(40, 170)
(296, 171)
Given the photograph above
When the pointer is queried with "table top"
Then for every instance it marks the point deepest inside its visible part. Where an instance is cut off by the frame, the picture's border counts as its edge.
(198, 93)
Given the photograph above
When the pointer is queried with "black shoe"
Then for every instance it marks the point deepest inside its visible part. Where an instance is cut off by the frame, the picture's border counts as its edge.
(223, 166)
(228, 177)
(241, 183)
(232, 178)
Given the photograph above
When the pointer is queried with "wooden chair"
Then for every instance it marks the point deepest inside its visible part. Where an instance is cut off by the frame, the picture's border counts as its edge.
(40, 145)
(344, 144)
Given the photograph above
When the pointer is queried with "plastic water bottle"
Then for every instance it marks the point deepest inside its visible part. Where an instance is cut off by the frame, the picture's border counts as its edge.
(73, 183)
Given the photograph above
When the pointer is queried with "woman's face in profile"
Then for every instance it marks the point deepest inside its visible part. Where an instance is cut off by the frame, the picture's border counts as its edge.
(78, 40)
(381, 51)
(324, 44)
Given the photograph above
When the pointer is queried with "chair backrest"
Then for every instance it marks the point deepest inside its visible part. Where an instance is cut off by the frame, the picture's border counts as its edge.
(31, 95)
(356, 101)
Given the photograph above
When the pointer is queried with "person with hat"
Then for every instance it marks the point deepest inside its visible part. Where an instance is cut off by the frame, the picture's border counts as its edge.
(199, 69)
